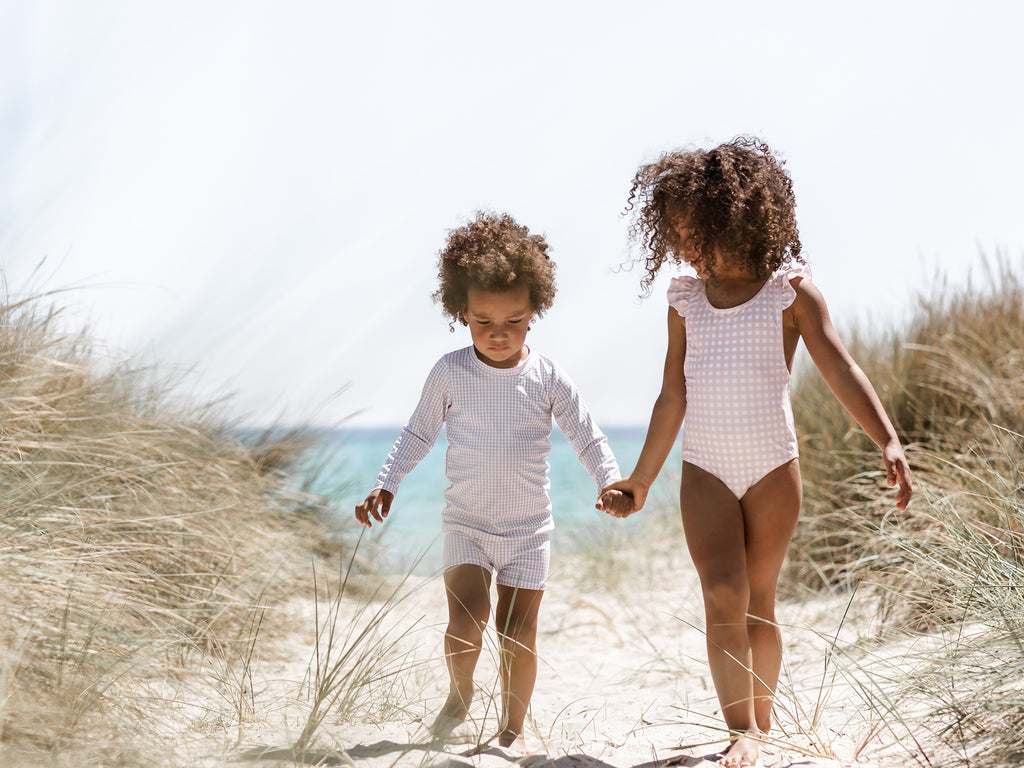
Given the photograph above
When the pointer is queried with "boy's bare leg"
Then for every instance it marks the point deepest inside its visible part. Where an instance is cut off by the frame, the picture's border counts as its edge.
(516, 620)
(469, 605)
(737, 550)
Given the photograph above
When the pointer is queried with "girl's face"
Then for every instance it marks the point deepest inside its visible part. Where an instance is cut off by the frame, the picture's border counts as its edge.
(498, 322)
(701, 263)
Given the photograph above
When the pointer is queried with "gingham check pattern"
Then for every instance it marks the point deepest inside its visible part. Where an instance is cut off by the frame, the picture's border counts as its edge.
(739, 419)
(498, 423)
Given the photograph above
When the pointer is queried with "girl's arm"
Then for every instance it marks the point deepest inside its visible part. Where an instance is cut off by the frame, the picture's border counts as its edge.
(666, 418)
(849, 384)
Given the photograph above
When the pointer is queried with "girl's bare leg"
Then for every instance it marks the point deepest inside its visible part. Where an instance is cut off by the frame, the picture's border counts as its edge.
(771, 508)
(469, 606)
(516, 621)
(715, 536)
(738, 548)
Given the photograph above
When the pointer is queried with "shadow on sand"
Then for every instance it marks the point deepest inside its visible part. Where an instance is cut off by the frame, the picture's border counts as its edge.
(395, 750)
(325, 757)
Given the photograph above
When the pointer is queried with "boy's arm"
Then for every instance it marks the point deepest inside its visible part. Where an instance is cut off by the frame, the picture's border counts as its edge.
(586, 438)
(420, 433)
(377, 505)
(413, 444)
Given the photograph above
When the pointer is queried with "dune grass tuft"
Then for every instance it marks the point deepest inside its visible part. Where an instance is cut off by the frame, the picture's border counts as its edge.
(137, 534)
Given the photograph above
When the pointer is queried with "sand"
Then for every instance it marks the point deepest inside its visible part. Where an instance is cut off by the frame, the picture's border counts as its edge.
(623, 682)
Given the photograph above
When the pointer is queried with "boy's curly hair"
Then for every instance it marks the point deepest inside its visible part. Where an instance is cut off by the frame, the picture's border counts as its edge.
(738, 198)
(494, 253)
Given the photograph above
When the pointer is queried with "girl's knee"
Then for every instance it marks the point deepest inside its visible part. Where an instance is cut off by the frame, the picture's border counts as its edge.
(726, 596)
(762, 606)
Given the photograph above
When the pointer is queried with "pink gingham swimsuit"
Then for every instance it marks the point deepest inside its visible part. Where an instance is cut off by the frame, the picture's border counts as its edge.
(739, 420)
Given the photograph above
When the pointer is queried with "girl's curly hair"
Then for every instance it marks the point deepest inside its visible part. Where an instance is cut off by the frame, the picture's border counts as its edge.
(737, 197)
(494, 253)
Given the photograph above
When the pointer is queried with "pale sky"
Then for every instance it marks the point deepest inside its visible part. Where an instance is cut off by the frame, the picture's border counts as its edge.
(257, 191)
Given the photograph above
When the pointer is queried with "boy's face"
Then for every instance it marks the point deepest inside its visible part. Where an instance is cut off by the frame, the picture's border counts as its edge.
(498, 322)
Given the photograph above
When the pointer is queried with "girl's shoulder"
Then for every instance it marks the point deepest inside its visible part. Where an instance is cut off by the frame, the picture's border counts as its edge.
(681, 291)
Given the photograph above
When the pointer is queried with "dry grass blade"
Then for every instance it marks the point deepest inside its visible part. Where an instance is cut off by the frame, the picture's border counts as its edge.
(352, 653)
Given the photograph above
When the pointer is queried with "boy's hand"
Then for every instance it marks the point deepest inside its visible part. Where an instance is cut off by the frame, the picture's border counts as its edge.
(377, 504)
(616, 503)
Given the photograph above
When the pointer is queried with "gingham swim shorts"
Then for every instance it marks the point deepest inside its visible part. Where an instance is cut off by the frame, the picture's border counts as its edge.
(520, 561)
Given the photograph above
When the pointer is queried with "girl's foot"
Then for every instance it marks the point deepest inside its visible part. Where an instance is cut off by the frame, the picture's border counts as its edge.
(743, 752)
(451, 716)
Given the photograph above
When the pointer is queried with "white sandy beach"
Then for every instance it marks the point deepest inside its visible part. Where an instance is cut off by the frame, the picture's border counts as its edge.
(623, 682)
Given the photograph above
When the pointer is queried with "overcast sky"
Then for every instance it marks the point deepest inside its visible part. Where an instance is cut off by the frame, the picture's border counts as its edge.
(257, 191)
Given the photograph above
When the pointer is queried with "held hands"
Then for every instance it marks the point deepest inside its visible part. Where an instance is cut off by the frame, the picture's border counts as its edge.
(377, 504)
(622, 498)
(897, 471)
(615, 503)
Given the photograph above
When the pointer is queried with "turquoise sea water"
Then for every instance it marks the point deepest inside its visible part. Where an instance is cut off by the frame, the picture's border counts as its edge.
(411, 536)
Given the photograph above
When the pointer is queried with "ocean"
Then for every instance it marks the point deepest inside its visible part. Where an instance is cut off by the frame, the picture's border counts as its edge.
(348, 461)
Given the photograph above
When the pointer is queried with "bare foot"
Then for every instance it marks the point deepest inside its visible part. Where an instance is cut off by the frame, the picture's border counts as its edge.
(513, 742)
(743, 752)
(451, 716)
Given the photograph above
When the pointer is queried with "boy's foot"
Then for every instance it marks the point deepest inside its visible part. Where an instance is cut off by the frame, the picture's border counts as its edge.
(744, 752)
(451, 716)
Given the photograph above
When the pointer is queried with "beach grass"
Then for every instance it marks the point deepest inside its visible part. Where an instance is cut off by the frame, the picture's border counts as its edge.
(951, 567)
(139, 539)
(953, 382)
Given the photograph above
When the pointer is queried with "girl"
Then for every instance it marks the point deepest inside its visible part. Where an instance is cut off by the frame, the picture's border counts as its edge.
(496, 399)
(732, 332)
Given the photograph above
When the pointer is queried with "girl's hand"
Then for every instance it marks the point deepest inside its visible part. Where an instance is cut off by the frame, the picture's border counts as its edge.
(377, 504)
(897, 471)
(615, 503)
(632, 489)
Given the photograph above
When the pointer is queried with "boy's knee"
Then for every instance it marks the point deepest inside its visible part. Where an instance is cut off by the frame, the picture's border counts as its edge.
(519, 626)
(467, 628)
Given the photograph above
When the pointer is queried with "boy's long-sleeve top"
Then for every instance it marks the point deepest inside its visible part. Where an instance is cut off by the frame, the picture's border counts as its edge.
(498, 423)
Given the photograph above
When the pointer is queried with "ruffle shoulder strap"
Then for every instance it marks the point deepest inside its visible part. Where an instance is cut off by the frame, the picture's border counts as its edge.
(680, 291)
(786, 275)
